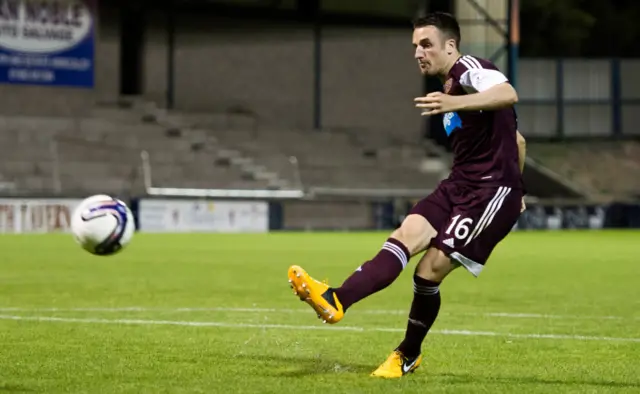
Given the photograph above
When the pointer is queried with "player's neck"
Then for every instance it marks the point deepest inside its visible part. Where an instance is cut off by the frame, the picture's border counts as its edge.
(452, 60)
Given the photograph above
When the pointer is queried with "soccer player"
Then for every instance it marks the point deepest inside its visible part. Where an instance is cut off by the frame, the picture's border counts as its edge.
(467, 215)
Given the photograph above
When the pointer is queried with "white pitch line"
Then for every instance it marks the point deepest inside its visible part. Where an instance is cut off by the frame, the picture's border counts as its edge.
(299, 327)
(285, 310)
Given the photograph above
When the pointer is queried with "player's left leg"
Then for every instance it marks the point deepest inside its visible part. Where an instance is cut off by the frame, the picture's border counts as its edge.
(430, 272)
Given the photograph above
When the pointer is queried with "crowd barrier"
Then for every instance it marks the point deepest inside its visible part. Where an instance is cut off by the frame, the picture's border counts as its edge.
(43, 215)
(579, 216)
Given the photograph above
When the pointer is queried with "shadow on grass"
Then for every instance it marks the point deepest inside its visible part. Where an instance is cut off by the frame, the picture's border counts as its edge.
(305, 366)
(14, 388)
(301, 366)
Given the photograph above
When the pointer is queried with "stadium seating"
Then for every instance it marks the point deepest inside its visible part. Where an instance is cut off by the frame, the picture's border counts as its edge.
(605, 168)
(101, 152)
(331, 159)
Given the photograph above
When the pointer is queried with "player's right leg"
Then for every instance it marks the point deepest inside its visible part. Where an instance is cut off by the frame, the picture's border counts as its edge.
(412, 237)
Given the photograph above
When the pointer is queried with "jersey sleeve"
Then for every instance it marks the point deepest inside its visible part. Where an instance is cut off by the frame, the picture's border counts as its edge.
(481, 79)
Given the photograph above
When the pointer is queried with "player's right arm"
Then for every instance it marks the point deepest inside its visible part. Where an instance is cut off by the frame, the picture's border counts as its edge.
(495, 97)
(487, 90)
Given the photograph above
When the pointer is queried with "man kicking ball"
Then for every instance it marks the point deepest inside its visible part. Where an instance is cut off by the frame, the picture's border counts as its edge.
(468, 214)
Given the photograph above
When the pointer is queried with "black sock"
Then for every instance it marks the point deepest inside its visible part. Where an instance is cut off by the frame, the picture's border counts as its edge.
(424, 310)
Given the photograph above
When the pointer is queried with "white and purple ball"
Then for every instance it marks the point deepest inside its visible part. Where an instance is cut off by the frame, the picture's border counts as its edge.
(102, 225)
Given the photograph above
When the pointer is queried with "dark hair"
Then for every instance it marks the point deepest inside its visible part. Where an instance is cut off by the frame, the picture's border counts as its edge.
(445, 22)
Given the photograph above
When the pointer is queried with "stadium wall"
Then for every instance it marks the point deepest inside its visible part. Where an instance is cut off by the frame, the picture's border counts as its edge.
(222, 64)
(569, 98)
(267, 68)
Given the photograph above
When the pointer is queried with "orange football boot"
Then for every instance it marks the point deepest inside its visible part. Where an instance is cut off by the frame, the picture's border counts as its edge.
(397, 365)
(317, 294)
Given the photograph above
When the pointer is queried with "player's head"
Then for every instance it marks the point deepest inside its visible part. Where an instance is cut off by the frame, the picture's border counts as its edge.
(436, 38)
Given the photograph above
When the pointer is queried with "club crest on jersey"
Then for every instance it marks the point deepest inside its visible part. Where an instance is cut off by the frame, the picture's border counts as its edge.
(451, 121)
(447, 85)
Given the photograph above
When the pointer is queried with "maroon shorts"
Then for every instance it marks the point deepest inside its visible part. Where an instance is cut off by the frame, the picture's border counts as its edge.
(470, 220)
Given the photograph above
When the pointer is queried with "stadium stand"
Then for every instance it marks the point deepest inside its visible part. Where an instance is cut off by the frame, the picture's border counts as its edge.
(100, 152)
(604, 168)
(331, 158)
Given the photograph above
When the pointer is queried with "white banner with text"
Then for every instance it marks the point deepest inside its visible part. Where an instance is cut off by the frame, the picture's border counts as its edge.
(156, 215)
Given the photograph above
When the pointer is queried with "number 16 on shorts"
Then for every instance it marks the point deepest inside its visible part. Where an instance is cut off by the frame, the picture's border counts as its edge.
(472, 235)
(459, 227)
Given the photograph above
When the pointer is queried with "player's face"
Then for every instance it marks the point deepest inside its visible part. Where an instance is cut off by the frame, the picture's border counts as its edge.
(431, 50)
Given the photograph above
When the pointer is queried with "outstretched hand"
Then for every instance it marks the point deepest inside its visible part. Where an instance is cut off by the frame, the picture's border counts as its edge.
(436, 103)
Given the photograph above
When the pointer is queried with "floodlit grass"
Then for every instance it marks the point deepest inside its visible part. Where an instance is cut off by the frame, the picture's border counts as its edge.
(552, 313)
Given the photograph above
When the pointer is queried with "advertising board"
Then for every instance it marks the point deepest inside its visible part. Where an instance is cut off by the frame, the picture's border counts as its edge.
(19, 216)
(166, 215)
(47, 42)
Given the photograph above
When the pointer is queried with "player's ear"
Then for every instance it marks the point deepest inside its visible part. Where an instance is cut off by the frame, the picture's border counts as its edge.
(450, 46)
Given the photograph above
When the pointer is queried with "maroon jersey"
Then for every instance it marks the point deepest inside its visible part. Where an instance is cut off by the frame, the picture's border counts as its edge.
(484, 142)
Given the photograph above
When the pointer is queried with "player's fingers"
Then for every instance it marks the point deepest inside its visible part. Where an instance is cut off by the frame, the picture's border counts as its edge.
(434, 94)
(431, 112)
(428, 105)
(425, 99)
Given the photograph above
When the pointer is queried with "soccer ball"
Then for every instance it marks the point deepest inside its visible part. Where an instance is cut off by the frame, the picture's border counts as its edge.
(102, 225)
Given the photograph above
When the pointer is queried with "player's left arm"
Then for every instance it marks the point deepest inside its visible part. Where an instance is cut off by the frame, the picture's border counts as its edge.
(522, 150)
(522, 154)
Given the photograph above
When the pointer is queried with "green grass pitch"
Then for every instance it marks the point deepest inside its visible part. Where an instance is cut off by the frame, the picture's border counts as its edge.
(553, 312)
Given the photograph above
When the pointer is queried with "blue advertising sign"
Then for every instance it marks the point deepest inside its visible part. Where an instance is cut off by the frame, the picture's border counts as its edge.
(47, 42)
